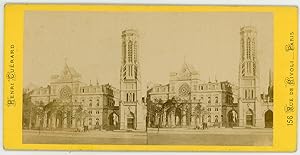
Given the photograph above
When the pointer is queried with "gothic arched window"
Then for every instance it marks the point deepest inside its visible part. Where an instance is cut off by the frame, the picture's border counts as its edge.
(98, 102)
(243, 48)
(130, 51)
(133, 97)
(253, 45)
(254, 68)
(124, 52)
(135, 52)
(90, 103)
(216, 100)
(248, 47)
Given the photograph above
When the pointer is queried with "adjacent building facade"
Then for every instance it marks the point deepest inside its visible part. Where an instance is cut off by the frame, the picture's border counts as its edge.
(68, 103)
(197, 101)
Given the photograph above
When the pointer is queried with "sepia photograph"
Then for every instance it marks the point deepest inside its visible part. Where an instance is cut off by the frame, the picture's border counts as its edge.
(148, 78)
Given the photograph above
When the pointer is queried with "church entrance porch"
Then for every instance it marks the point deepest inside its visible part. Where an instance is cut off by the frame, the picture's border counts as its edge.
(130, 121)
(249, 118)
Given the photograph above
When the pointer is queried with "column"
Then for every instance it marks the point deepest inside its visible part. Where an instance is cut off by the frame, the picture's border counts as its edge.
(164, 117)
(156, 119)
(193, 123)
(73, 119)
(197, 121)
(45, 120)
(173, 119)
(57, 122)
(183, 119)
(65, 120)
(193, 120)
(37, 121)
(49, 123)
(53, 121)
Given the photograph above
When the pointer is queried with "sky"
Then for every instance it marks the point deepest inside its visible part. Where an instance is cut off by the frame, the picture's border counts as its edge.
(90, 42)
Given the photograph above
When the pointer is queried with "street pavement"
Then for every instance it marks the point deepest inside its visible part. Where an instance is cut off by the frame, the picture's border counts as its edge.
(165, 136)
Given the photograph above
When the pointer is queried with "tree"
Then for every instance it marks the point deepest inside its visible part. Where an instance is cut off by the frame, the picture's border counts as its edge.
(80, 113)
(156, 109)
(199, 111)
(27, 108)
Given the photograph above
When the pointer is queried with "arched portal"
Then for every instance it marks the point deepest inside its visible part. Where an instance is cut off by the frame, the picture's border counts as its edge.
(130, 121)
(49, 114)
(59, 119)
(170, 119)
(113, 119)
(269, 119)
(249, 117)
(232, 117)
(178, 117)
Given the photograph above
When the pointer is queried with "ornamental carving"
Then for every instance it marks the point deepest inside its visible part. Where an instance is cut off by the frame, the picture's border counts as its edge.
(184, 90)
(65, 93)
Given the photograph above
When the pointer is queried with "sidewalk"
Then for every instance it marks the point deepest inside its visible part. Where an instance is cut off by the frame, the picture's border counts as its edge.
(241, 131)
(125, 133)
(91, 133)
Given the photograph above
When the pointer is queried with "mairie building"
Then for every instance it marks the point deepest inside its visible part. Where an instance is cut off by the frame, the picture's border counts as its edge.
(69, 103)
(197, 101)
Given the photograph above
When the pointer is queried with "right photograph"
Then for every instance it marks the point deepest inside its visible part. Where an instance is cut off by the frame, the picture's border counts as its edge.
(228, 102)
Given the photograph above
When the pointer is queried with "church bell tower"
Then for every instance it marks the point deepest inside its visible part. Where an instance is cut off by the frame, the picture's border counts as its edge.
(249, 107)
(132, 114)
